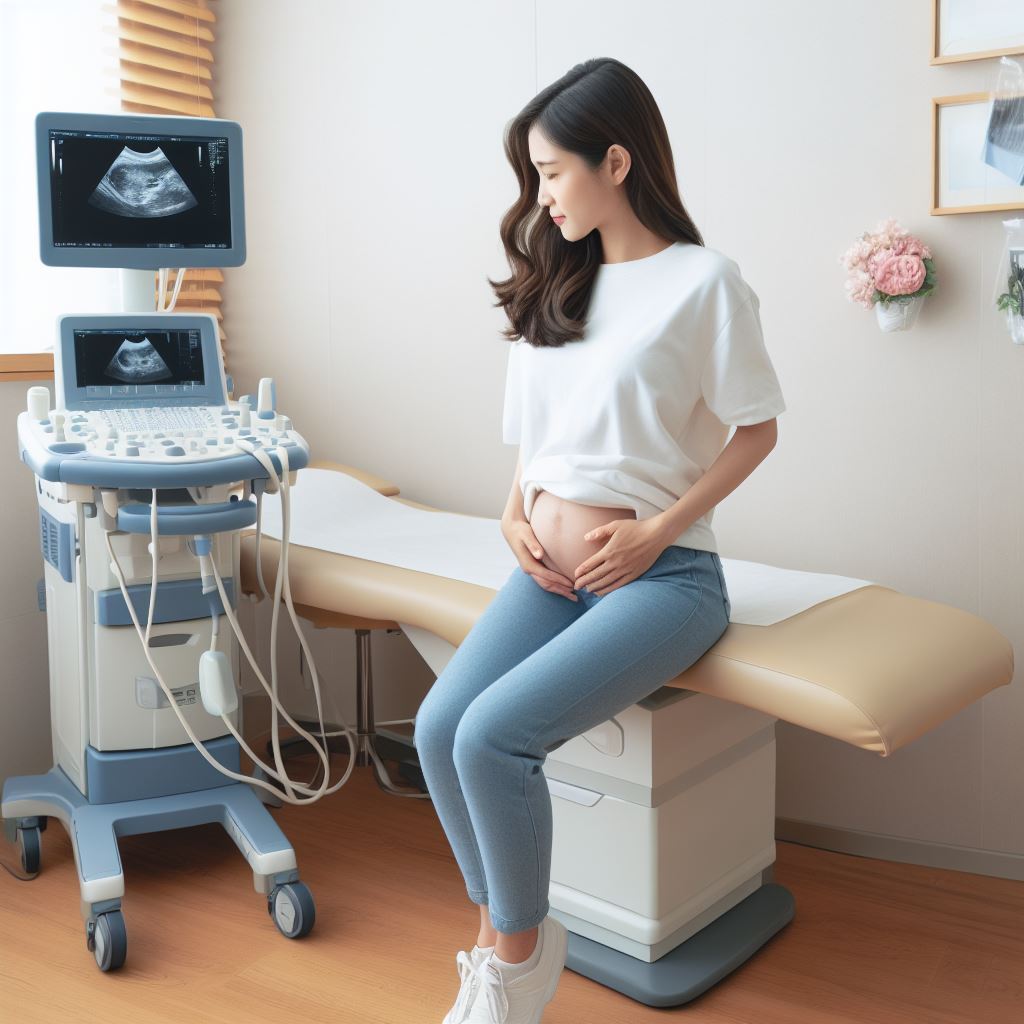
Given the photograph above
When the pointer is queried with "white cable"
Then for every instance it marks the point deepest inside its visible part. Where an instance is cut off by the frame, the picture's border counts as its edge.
(259, 549)
(177, 288)
(162, 295)
(272, 690)
(275, 738)
(170, 696)
(283, 575)
(283, 578)
(285, 490)
(116, 565)
(312, 795)
(152, 595)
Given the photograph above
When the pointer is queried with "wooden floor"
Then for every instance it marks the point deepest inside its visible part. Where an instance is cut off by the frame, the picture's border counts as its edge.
(872, 942)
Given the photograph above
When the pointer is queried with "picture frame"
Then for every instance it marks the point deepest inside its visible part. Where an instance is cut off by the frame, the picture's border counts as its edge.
(975, 30)
(962, 182)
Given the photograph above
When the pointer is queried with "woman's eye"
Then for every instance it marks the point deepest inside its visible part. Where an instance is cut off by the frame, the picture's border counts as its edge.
(550, 176)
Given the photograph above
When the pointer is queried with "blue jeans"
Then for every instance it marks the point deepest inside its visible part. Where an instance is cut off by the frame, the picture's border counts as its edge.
(536, 670)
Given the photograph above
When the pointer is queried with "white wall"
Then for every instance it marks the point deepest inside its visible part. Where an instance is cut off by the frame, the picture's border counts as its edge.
(792, 134)
(24, 676)
(375, 181)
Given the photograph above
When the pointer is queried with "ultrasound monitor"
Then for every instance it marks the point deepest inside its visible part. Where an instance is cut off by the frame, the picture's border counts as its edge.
(138, 359)
(139, 191)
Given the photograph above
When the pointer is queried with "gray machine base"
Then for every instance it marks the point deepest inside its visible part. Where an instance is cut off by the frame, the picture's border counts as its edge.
(94, 828)
(694, 965)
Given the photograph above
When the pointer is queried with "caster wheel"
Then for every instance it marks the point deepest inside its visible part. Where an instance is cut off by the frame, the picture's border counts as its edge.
(31, 850)
(108, 940)
(291, 906)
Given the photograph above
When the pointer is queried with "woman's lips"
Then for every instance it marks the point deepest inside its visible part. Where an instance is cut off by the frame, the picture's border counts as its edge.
(558, 220)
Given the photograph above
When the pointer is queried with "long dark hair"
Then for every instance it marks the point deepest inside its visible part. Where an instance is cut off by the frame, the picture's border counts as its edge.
(596, 104)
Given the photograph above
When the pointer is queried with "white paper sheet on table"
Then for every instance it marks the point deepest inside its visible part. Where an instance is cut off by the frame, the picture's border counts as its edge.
(336, 512)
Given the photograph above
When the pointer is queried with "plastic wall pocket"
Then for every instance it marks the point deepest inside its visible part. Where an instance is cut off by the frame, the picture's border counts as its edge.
(215, 683)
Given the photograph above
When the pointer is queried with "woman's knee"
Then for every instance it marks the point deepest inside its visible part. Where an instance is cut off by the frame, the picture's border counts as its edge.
(434, 725)
(486, 731)
(472, 735)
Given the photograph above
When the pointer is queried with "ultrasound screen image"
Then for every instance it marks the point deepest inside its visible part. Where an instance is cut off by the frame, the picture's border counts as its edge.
(137, 362)
(139, 191)
(112, 358)
(142, 185)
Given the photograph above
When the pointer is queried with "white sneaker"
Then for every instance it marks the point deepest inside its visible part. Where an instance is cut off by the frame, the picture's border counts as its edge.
(469, 965)
(521, 999)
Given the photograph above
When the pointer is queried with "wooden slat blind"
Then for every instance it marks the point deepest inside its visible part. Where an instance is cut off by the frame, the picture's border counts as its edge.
(166, 63)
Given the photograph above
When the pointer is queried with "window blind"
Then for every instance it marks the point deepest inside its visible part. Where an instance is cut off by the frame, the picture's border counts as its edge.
(166, 61)
(54, 55)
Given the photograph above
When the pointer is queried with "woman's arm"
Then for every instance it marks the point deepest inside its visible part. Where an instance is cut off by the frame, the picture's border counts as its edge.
(514, 509)
(746, 450)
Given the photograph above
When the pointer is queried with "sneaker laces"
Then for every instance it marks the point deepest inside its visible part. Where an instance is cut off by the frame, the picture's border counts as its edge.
(468, 972)
(493, 986)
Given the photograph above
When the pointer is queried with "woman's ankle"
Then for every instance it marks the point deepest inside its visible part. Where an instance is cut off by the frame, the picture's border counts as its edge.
(517, 947)
(488, 935)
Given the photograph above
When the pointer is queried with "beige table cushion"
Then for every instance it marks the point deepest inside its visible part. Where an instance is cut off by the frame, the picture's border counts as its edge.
(873, 667)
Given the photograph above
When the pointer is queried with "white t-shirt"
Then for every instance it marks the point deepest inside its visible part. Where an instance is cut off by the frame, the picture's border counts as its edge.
(634, 413)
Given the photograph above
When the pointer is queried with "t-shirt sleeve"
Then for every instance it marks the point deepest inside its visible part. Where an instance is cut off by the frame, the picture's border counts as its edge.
(512, 417)
(738, 382)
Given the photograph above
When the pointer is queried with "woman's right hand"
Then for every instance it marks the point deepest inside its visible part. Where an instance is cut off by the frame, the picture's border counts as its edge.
(525, 546)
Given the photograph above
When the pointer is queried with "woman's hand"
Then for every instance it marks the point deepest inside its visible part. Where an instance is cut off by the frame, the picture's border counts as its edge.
(525, 546)
(633, 547)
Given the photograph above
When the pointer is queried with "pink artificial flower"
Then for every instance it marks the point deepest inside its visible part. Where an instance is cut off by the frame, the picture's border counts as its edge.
(868, 259)
(860, 288)
(900, 275)
(911, 247)
(876, 259)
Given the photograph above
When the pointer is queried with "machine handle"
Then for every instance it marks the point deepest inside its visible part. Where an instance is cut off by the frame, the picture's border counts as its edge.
(181, 520)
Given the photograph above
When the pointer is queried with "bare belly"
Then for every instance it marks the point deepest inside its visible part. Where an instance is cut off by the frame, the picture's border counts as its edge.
(559, 525)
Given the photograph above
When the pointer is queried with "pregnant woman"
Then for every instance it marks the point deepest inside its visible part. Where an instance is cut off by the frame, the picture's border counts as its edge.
(634, 348)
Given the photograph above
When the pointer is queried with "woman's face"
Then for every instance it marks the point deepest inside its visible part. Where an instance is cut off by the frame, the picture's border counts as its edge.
(570, 189)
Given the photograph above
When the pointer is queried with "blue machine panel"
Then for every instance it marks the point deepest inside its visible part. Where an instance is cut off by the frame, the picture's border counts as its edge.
(113, 776)
(176, 601)
(57, 540)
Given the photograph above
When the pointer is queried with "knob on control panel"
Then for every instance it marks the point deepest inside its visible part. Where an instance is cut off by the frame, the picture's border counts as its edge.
(265, 400)
(39, 402)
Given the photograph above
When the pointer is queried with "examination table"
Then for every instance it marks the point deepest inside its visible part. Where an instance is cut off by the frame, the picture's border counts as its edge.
(664, 816)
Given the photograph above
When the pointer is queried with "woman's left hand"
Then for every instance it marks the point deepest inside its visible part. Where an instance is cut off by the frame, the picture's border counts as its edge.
(633, 547)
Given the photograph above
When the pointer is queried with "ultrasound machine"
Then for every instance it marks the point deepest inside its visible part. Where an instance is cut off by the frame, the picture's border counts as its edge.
(146, 471)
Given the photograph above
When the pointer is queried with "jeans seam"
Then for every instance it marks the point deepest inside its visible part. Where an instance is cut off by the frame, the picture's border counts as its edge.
(536, 838)
(472, 832)
(726, 603)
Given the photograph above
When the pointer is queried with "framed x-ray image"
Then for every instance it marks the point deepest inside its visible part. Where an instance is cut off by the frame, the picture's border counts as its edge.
(977, 153)
(976, 29)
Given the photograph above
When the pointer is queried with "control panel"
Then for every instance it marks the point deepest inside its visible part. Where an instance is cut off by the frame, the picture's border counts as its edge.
(156, 436)
(162, 434)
